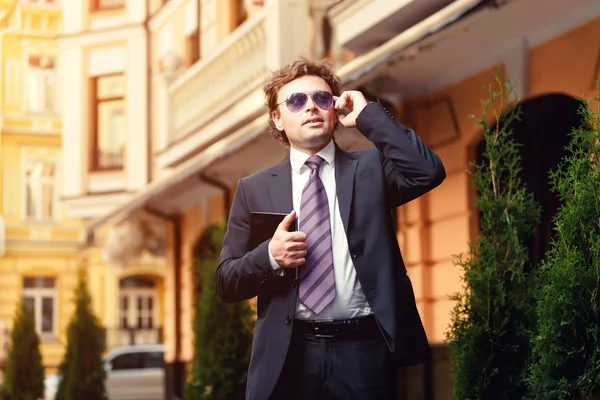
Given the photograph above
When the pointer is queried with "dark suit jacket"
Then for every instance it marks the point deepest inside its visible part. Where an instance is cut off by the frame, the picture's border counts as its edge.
(370, 183)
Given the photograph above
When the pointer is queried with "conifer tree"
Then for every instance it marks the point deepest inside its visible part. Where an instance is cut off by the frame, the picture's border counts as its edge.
(24, 376)
(222, 332)
(566, 362)
(81, 370)
(494, 315)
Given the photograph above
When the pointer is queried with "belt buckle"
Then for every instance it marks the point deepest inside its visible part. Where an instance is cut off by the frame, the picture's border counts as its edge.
(321, 335)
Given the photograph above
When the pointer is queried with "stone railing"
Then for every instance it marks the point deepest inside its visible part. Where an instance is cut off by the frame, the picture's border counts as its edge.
(215, 83)
(113, 338)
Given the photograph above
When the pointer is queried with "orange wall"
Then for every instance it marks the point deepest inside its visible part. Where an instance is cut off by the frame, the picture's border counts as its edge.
(436, 227)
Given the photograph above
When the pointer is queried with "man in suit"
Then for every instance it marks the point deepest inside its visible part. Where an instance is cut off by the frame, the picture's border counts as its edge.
(336, 310)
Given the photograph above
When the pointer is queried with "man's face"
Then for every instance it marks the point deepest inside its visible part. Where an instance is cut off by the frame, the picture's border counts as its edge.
(310, 129)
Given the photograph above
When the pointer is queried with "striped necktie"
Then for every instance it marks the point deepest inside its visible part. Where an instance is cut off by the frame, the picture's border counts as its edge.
(317, 284)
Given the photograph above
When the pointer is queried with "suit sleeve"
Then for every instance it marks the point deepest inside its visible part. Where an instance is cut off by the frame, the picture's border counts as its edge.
(242, 274)
(411, 168)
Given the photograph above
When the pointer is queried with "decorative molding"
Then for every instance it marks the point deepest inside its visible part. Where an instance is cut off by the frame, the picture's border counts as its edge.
(32, 246)
(596, 73)
(437, 115)
(124, 33)
(105, 182)
(92, 206)
(246, 105)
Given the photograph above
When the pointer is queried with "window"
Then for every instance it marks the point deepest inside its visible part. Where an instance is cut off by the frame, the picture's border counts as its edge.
(192, 33)
(107, 4)
(109, 122)
(153, 359)
(40, 185)
(138, 360)
(41, 84)
(39, 295)
(192, 48)
(126, 361)
(137, 304)
(240, 14)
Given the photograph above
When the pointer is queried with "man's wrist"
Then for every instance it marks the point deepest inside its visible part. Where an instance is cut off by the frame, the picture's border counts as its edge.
(276, 267)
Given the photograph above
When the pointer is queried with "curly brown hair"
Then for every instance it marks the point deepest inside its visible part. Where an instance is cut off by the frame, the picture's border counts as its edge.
(297, 69)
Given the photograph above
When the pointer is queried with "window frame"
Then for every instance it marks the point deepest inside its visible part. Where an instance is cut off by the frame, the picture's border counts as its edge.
(133, 314)
(39, 73)
(95, 102)
(38, 294)
(96, 5)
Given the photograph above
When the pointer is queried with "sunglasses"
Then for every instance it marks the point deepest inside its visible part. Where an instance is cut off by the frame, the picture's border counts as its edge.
(297, 101)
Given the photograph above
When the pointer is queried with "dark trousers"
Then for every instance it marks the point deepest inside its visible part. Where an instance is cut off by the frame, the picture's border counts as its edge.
(331, 368)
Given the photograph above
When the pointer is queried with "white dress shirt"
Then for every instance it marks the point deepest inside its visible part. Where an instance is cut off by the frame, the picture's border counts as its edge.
(350, 301)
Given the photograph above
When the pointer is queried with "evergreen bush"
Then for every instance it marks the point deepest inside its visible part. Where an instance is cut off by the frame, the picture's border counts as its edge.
(222, 332)
(494, 316)
(24, 375)
(81, 370)
(566, 350)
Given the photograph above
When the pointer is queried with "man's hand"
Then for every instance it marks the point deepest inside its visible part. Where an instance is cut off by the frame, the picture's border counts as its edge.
(288, 248)
(353, 100)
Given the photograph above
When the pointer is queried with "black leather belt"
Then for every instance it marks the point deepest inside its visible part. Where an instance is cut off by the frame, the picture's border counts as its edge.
(356, 328)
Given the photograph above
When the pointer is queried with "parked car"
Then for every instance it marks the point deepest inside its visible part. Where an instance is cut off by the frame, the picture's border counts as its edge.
(135, 372)
(51, 382)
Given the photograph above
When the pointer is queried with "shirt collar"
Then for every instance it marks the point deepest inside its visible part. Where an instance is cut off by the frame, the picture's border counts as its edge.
(298, 158)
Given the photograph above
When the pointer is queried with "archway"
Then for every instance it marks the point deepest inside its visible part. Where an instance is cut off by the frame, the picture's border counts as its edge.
(543, 133)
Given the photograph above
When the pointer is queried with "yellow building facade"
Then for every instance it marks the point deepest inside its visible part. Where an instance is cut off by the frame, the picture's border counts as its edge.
(42, 244)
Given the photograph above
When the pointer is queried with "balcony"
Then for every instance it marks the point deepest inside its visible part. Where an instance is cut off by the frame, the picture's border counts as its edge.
(117, 337)
(108, 160)
(217, 93)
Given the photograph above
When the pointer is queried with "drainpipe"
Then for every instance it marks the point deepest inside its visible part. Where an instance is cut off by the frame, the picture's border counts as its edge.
(175, 373)
(149, 148)
(220, 185)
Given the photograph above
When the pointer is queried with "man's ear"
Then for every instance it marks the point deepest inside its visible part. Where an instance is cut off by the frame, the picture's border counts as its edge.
(277, 120)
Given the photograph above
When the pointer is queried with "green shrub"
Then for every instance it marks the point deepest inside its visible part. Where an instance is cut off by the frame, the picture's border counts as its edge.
(81, 370)
(222, 332)
(494, 316)
(567, 347)
(24, 376)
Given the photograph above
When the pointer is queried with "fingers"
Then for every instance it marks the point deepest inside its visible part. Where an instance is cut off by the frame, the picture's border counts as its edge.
(294, 263)
(287, 221)
(343, 101)
(288, 248)
(347, 120)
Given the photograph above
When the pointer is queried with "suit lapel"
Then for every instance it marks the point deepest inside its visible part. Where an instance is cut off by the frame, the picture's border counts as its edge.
(280, 187)
(345, 168)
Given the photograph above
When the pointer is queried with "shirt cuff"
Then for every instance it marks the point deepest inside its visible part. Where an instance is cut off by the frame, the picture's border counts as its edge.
(276, 267)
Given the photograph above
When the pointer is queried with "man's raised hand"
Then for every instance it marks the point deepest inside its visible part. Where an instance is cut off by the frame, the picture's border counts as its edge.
(354, 101)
